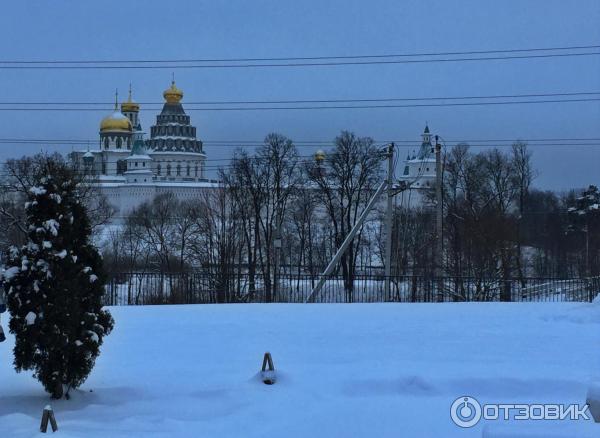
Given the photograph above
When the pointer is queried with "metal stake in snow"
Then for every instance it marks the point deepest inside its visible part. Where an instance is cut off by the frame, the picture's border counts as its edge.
(48, 414)
(268, 375)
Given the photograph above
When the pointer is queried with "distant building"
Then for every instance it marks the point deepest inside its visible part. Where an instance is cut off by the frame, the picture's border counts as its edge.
(131, 169)
(419, 170)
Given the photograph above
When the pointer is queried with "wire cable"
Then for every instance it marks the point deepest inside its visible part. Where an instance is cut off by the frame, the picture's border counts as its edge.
(82, 145)
(321, 107)
(110, 105)
(306, 58)
(48, 66)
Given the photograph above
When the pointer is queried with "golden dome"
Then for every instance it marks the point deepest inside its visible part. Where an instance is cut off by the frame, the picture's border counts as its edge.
(130, 105)
(116, 121)
(319, 156)
(173, 94)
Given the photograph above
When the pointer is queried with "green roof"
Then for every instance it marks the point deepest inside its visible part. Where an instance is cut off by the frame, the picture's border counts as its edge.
(138, 148)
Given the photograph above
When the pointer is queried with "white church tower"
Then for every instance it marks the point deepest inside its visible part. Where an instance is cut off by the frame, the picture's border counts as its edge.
(419, 169)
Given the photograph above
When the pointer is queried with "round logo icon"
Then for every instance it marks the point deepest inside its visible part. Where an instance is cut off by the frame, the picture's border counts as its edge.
(465, 411)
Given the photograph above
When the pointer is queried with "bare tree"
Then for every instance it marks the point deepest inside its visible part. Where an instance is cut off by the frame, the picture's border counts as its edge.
(478, 194)
(216, 242)
(345, 183)
(184, 227)
(302, 224)
(154, 221)
(268, 181)
(19, 175)
(523, 177)
(502, 190)
(246, 202)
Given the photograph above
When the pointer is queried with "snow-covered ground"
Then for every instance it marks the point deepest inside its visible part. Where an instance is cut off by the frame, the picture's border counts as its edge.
(344, 370)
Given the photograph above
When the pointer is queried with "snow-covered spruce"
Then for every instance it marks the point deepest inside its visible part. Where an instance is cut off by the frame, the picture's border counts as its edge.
(55, 300)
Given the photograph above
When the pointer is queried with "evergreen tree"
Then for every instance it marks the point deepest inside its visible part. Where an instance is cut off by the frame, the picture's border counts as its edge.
(55, 284)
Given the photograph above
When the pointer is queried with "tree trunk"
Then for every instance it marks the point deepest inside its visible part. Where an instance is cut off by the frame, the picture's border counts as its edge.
(57, 392)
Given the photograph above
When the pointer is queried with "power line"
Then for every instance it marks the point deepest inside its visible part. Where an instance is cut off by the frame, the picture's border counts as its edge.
(305, 58)
(298, 101)
(456, 140)
(325, 107)
(325, 142)
(290, 64)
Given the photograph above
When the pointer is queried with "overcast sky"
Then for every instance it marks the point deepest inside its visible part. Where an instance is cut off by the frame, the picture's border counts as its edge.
(34, 30)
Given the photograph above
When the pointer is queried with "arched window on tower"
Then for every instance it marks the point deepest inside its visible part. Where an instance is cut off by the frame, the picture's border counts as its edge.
(187, 170)
(121, 167)
(158, 169)
(105, 142)
(179, 170)
(168, 169)
(196, 170)
(119, 142)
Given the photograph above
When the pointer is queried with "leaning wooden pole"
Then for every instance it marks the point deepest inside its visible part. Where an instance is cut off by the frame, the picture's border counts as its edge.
(338, 255)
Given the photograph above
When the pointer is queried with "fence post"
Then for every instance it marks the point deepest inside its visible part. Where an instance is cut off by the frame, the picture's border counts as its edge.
(506, 293)
(129, 286)
(202, 287)
(113, 293)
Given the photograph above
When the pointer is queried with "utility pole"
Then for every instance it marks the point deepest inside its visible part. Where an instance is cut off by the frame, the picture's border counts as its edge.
(391, 191)
(388, 222)
(439, 256)
(277, 253)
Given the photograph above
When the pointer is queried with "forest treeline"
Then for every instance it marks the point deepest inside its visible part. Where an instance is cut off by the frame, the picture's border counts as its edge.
(277, 213)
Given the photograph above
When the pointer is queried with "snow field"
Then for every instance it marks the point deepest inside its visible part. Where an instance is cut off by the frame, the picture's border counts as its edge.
(359, 370)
